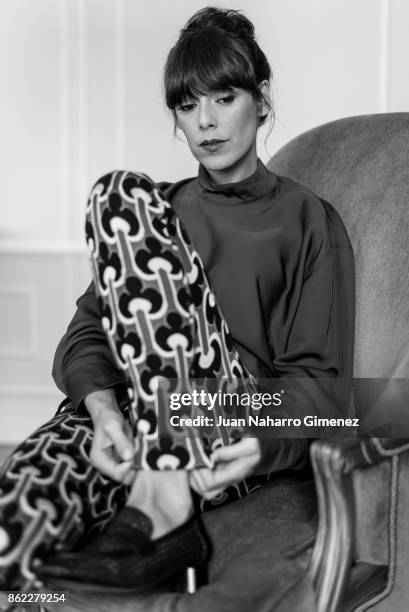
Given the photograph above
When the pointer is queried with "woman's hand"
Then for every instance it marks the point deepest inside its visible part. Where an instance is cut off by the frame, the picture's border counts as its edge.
(232, 464)
(112, 447)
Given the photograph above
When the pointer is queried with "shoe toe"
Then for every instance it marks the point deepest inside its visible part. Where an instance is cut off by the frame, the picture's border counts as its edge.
(58, 566)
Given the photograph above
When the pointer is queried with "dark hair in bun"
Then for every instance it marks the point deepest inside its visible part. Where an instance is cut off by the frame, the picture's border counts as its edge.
(216, 50)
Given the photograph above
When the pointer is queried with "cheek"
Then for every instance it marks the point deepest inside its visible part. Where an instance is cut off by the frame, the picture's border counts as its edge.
(184, 128)
(244, 130)
(245, 122)
(184, 125)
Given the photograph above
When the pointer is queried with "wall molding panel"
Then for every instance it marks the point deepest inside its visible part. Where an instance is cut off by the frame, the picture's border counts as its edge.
(82, 101)
(29, 391)
(121, 111)
(384, 55)
(22, 411)
(399, 83)
(66, 126)
(25, 324)
(47, 247)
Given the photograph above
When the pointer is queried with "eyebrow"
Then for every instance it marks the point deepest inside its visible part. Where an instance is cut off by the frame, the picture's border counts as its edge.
(220, 90)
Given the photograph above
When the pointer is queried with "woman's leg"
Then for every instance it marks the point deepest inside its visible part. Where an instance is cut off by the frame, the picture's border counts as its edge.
(158, 309)
(51, 498)
(161, 318)
(139, 279)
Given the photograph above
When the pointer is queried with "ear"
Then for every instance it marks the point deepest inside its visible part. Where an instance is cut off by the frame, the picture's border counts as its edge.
(264, 88)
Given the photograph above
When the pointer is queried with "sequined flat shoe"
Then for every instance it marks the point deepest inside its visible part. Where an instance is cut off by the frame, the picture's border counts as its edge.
(125, 558)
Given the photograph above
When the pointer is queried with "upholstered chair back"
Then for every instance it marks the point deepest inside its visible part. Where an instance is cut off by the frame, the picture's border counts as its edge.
(361, 166)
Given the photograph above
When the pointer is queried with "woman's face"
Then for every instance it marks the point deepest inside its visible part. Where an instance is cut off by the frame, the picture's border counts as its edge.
(221, 129)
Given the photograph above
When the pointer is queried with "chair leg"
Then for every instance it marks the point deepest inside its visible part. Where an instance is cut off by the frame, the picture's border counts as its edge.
(191, 580)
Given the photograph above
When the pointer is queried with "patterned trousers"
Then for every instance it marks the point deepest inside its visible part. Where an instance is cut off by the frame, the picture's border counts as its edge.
(163, 325)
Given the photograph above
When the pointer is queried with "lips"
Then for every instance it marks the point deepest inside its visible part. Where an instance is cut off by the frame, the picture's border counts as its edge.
(214, 141)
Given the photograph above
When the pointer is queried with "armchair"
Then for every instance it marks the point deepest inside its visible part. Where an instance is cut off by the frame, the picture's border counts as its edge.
(360, 559)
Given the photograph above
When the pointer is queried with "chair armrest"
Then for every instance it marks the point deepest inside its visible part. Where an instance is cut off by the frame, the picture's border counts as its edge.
(334, 463)
(351, 453)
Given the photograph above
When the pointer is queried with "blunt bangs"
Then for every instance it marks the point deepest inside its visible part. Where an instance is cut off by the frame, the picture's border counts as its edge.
(204, 62)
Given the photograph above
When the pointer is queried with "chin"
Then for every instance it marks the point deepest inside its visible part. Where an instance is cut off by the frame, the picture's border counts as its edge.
(218, 162)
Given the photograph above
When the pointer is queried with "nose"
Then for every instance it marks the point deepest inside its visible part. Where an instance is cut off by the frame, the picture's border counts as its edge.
(207, 116)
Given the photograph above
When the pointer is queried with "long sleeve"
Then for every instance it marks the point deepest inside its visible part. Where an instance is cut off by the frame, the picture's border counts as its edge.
(317, 341)
(83, 362)
(320, 342)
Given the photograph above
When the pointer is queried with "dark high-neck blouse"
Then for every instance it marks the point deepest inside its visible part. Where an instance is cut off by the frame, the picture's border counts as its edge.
(282, 269)
(281, 265)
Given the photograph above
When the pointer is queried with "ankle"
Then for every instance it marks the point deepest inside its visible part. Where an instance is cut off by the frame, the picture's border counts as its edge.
(167, 519)
(164, 497)
(170, 488)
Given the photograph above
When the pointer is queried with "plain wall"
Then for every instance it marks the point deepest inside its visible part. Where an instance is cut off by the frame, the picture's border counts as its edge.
(82, 94)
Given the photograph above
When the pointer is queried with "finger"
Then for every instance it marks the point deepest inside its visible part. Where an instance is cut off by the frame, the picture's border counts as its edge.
(207, 477)
(194, 483)
(129, 477)
(97, 455)
(103, 457)
(107, 465)
(122, 472)
(230, 473)
(213, 493)
(197, 485)
(214, 480)
(123, 446)
(246, 446)
(128, 431)
(201, 478)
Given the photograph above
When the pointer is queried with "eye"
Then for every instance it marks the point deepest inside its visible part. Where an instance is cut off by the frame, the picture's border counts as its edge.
(226, 100)
(187, 107)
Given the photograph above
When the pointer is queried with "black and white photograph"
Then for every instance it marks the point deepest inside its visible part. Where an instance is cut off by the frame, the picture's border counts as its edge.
(204, 293)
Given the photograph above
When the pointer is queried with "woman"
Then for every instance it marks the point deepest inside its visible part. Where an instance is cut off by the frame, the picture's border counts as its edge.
(269, 248)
